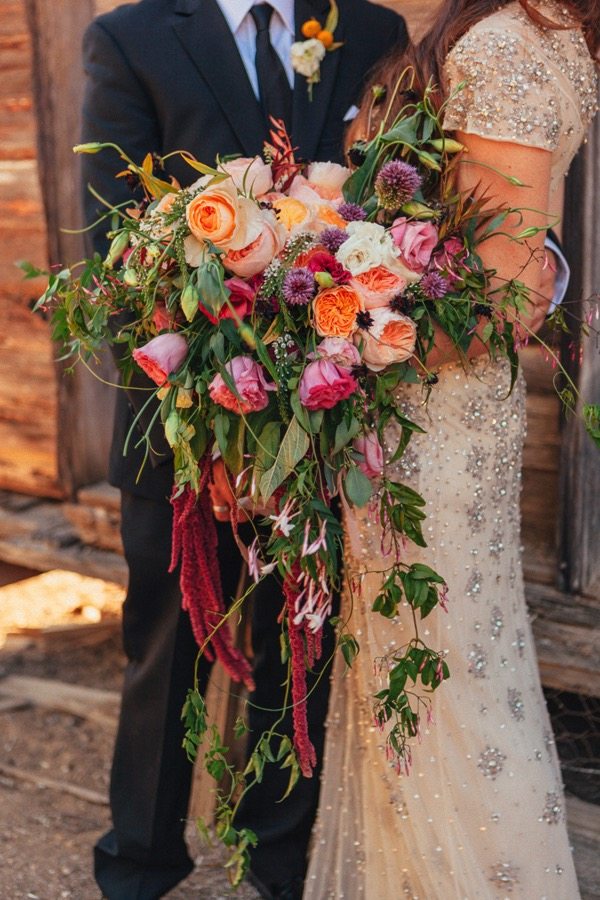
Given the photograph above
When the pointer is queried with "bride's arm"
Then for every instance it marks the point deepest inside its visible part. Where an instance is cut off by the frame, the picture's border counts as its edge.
(486, 162)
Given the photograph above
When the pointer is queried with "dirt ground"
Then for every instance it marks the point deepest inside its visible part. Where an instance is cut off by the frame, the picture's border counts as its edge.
(46, 835)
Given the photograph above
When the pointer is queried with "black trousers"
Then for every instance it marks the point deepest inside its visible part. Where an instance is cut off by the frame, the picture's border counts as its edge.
(144, 855)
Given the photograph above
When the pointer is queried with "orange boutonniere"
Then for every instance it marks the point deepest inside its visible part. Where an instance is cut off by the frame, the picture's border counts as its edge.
(307, 55)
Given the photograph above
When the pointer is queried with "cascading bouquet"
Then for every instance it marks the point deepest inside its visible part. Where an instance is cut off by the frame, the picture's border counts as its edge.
(277, 306)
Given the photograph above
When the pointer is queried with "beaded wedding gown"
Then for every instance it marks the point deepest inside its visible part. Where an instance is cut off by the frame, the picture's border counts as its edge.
(482, 813)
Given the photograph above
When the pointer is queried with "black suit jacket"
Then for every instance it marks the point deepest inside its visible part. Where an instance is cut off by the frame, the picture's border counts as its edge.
(166, 75)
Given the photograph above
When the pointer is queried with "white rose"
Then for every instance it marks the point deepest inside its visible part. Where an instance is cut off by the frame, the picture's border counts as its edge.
(307, 56)
(250, 175)
(365, 248)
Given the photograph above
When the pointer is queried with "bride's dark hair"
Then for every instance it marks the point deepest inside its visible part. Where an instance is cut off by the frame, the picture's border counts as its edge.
(452, 21)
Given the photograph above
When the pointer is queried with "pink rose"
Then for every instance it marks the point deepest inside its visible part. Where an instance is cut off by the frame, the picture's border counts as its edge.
(415, 241)
(161, 356)
(324, 384)
(250, 383)
(257, 255)
(390, 339)
(337, 350)
(368, 444)
(249, 174)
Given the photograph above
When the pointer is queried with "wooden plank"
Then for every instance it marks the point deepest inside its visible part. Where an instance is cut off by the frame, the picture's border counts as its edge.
(95, 526)
(62, 787)
(100, 707)
(85, 404)
(566, 629)
(583, 821)
(39, 535)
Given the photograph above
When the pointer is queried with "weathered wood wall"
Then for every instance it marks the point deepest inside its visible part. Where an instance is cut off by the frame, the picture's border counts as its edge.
(28, 399)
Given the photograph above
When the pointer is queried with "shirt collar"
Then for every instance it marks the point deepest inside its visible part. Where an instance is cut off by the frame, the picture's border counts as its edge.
(235, 11)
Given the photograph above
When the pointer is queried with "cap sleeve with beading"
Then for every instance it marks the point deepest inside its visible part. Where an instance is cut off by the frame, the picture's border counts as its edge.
(510, 90)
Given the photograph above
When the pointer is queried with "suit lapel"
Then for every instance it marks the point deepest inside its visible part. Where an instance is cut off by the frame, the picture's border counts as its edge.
(309, 116)
(207, 40)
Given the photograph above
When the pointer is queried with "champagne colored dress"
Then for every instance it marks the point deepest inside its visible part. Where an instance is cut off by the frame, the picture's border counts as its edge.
(481, 814)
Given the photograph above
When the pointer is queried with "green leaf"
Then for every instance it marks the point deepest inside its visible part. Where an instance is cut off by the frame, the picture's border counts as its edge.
(357, 487)
(344, 434)
(293, 448)
(591, 419)
(266, 451)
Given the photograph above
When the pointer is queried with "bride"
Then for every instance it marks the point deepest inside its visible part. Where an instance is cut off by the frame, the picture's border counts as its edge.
(481, 814)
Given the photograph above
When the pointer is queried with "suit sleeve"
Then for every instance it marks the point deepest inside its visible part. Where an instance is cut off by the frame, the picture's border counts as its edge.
(116, 109)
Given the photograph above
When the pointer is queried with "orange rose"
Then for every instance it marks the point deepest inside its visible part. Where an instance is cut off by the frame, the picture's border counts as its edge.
(213, 214)
(335, 311)
(378, 286)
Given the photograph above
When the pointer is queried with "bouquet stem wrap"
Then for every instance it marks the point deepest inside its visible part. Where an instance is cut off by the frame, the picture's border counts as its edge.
(195, 547)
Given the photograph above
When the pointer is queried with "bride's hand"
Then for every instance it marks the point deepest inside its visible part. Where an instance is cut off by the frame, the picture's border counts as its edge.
(224, 500)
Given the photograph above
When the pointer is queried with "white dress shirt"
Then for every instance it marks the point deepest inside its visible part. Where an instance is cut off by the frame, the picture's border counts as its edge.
(241, 23)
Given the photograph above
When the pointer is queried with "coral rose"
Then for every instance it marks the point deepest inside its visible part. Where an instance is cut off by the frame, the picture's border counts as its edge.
(160, 356)
(390, 339)
(327, 178)
(368, 444)
(415, 241)
(335, 311)
(378, 286)
(250, 383)
(324, 384)
(249, 174)
(256, 256)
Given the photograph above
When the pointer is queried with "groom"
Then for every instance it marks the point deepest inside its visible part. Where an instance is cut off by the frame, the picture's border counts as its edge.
(202, 76)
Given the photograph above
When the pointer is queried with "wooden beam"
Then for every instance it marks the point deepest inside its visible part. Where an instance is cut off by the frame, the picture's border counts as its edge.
(580, 459)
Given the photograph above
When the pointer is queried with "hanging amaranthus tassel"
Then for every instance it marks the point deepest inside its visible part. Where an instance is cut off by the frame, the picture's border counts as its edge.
(301, 641)
(195, 546)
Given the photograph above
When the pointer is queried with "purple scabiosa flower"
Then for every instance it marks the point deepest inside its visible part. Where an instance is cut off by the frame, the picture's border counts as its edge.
(299, 287)
(434, 286)
(397, 182)
(352, 212)
(332, 239)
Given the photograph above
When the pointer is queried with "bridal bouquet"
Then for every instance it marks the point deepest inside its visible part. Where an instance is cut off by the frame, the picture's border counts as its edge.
(276, 307)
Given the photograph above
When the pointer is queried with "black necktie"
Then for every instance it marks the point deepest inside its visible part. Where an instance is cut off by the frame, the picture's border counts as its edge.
(274, 87)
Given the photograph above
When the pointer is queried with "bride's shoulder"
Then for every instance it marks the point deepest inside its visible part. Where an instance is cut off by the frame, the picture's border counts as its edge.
(509, 76)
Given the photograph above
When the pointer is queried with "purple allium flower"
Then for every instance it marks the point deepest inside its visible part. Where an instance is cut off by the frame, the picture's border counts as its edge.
(396, 183)
(299, 286)
(332, 239)
(352, 212)
(434, 286)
